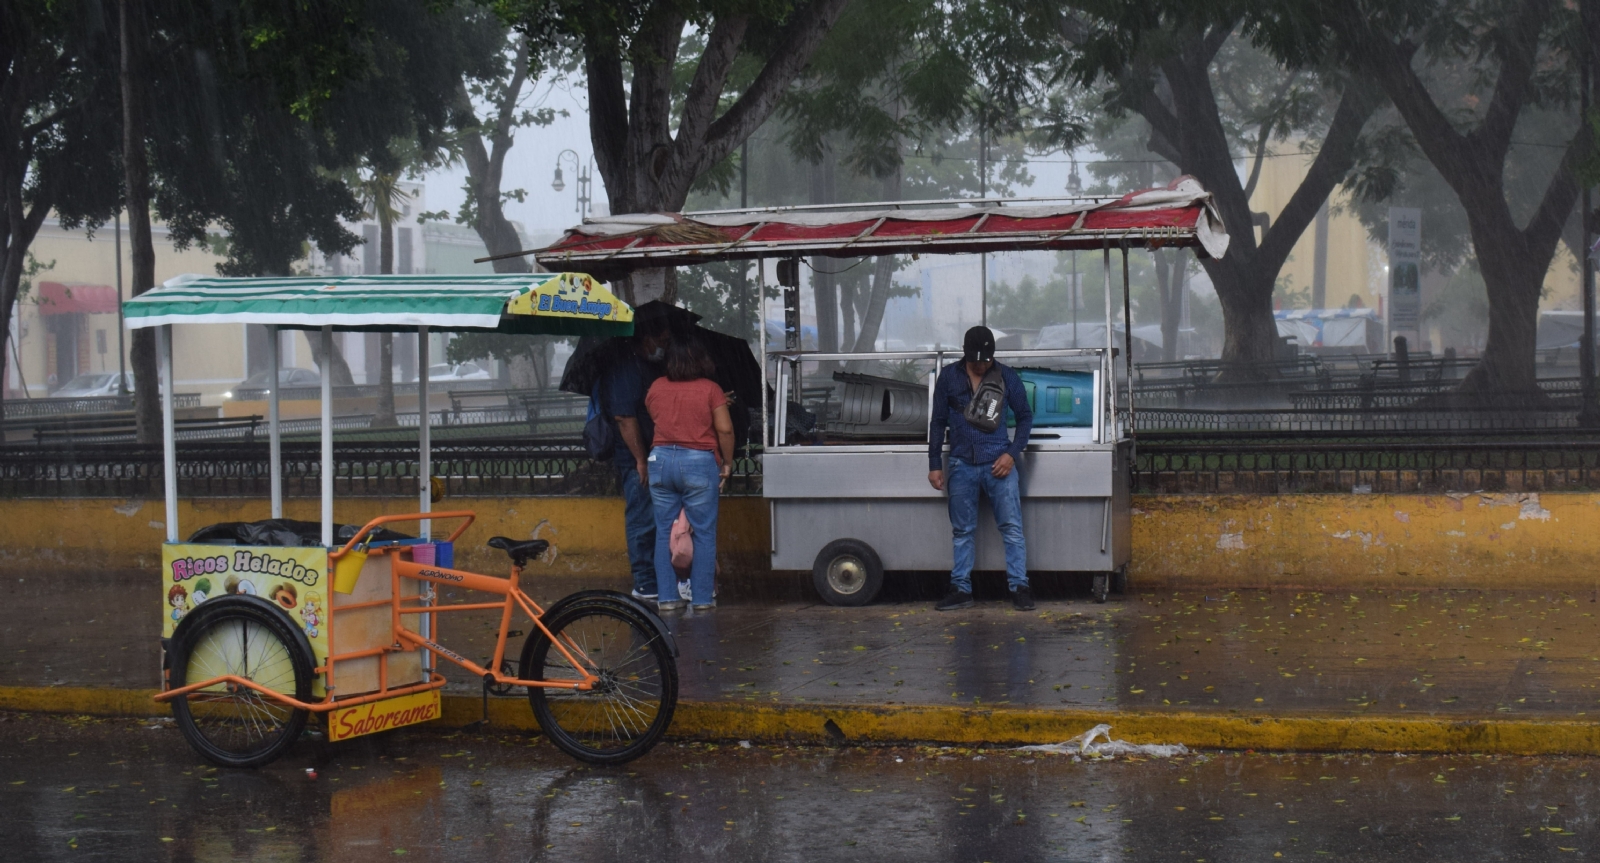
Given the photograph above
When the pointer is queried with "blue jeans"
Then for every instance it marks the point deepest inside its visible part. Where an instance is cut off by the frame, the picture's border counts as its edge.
(963, 482)
(639, 521)
(685, 479)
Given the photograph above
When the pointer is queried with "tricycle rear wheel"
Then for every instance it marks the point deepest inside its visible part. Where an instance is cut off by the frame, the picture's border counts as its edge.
(244, 636)
(629, 709)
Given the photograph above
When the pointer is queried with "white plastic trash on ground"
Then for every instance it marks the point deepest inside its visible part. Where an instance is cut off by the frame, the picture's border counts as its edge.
(1084, 744)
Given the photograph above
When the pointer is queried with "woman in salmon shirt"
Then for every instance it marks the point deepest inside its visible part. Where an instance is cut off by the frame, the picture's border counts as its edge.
(690, 459)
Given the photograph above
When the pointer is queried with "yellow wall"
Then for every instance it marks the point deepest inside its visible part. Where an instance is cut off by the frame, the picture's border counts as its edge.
(585, 533)
(1332, 541)
(1343, 540)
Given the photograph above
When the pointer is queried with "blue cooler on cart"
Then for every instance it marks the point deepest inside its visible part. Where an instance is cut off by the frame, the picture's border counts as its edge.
(1058, 398)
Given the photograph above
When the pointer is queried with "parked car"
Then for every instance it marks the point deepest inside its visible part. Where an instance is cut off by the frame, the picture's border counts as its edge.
(444, 372)
(93, 386)
(259, 384)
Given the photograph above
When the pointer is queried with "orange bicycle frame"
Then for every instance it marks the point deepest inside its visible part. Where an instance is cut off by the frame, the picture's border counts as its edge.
(400, 568)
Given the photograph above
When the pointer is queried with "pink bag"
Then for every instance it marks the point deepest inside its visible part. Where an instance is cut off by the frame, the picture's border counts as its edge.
(682, 544)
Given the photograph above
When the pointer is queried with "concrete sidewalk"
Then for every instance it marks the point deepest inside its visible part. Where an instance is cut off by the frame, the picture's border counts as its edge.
(1414, 660)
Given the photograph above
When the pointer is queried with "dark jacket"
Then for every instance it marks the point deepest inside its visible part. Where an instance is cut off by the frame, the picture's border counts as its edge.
(951, 393)
(623, 390)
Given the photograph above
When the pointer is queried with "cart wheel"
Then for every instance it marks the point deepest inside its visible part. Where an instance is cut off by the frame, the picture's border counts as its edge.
(847, 572)
(1119, 580)
(631, 705)
(1101, 588)
(245, 636)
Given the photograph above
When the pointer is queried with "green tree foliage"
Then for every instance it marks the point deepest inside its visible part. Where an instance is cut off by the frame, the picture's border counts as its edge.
(257, 110)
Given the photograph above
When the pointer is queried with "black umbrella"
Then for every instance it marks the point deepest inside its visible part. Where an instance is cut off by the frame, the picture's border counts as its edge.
(594, 354)
(737, 371)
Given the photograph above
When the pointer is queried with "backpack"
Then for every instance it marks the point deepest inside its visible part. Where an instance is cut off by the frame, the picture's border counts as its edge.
(599, 435)
(987, 410)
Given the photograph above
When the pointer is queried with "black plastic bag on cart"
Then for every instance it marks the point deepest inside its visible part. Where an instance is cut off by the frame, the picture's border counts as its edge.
(284, 532)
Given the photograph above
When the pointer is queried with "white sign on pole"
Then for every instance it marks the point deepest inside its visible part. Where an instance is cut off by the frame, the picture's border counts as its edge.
(1405, 277)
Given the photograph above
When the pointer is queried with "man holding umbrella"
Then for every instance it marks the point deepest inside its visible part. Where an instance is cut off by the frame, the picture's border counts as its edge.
(623, 385)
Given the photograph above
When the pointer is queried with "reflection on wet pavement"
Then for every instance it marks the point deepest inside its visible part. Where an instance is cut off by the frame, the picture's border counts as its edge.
(1466, 653)
(131, 790)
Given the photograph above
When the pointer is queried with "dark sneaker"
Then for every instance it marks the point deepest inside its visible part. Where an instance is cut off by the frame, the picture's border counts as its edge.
(647, 597)
(1022, 598)
(953, 600)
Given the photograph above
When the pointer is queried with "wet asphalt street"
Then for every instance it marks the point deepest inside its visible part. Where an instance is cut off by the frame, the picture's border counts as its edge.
(117, 789)
(1457, 653)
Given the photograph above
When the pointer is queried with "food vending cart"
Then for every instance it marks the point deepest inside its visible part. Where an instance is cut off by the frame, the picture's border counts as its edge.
(264, 627)
(845, 458)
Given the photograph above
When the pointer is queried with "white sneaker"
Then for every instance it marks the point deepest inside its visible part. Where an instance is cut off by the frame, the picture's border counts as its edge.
(684, 593)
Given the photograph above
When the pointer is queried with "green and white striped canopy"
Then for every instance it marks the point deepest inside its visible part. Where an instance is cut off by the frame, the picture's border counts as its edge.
(553, 303)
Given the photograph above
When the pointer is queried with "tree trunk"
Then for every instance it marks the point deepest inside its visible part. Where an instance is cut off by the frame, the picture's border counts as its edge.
(648, 168)
(882, 281)
(1250, 334)
(1172, 280)
(142, 251)
(847, 307)
(384, 416)
(339, 366)
(20, 227)
(524, 372)
(486, 166)
(824, 289)
(1513, 283)
(1187, 130)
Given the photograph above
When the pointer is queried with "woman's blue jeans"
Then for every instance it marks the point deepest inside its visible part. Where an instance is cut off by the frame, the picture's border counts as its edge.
(688, 480)
(963, 482)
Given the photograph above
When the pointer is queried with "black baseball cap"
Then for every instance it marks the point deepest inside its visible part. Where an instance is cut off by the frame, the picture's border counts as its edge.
(978, 345)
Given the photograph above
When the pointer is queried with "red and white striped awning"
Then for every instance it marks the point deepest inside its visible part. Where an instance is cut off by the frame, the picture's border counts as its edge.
(1182, 214)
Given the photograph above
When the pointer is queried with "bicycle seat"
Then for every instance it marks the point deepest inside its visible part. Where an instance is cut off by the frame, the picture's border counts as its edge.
(519, 549)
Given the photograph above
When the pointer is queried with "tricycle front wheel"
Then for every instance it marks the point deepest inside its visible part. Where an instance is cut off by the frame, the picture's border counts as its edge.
(628, 710)
(229, 724)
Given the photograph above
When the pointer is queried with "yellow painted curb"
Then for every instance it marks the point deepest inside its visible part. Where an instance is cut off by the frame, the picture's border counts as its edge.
(807, 723)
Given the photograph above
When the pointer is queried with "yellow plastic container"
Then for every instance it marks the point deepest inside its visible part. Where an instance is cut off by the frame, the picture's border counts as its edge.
(347, 569)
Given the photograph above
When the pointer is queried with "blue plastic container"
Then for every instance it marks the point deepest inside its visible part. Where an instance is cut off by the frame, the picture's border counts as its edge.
(1058, 398)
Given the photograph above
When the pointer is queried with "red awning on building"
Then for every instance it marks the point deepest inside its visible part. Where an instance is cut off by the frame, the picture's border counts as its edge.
(1180, 215)
(72, 298)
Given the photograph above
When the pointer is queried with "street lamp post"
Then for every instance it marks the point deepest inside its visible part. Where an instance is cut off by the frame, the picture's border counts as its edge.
(585, 175)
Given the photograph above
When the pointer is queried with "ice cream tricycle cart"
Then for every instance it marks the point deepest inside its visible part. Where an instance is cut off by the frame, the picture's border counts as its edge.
(263, 629)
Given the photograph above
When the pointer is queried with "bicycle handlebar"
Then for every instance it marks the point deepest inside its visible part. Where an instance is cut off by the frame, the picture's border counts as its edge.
(410, 516)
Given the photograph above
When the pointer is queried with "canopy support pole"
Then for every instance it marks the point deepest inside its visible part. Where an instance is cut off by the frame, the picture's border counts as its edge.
(761, 328)
(1127, 334)
(1110, 427)
(169, 432)
(274, 434)
(327, 436)
(424, 436)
